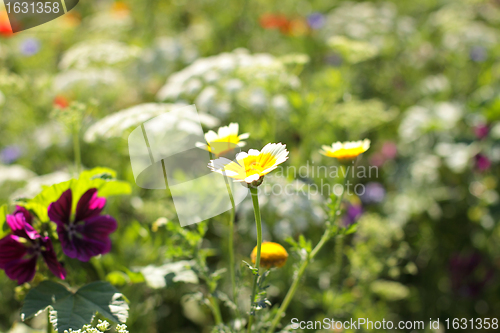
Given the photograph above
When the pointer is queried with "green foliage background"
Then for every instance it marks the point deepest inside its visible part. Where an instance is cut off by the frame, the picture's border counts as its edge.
(420, 75)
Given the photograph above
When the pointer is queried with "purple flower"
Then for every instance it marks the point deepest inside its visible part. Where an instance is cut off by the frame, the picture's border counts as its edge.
(19, 251)
(481, 131)
(29, 46)
(482, 163)
(374, 193)
(469, 274)
(316, 20)
(10, 154)
(87, 234)
(352, 214)
(478, 54)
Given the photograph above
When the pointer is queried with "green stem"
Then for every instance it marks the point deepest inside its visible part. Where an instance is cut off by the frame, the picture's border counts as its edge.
(215, 310)
(49, 325)
(76, 149)
(293, 288)
(256, 209)
(232, 266)
(339, 244)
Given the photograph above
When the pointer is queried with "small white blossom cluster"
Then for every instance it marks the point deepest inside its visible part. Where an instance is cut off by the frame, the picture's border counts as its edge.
(420, 119)
(91, 64)
(461, 27)
(368, 22)
(102, 326)
(94, 53)
(217, 84)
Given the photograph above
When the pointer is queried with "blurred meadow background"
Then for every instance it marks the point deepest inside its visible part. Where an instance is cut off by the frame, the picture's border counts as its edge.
(420, 79)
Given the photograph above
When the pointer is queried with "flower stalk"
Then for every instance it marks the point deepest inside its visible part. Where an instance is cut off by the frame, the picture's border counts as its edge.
(76, 149)
(232, 266)
(255, 201)
(324, 239)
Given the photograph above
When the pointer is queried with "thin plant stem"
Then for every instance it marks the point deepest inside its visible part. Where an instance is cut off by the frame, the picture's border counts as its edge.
(339, 245)
(215, 310)
(295, 284)
(49, 325)
(232, 266)
(256, 209)
(76, 149)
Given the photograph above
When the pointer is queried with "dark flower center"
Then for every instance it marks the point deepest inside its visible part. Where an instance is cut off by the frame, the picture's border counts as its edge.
(72, 230)
(36, 249)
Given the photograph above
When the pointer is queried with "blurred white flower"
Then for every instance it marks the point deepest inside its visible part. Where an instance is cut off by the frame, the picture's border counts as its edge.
(36, 183)
(495, 131)
(456, 155)
(435, 84)
(96, 53)
(14, 172)
(89, 77)
(219, 83)
(117, 123)
(373, 23)
(420, 119)
(280, 104)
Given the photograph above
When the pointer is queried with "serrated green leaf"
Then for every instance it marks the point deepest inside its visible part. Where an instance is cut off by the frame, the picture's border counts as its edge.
(70, 310)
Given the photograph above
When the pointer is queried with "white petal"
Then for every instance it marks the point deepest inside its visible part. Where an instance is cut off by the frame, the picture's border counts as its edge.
(252, 178)
(244, 136)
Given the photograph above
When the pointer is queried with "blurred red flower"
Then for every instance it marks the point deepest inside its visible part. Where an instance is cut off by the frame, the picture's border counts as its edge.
(275, 21)
(60, 102)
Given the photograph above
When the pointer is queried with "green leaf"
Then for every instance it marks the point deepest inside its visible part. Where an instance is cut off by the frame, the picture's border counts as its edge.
(100, 178)
(3, 216)
(72, 310)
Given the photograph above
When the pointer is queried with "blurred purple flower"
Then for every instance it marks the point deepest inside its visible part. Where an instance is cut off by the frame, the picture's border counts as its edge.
(10, 154)
(29, 46)
(20, 250)
(482, 163)
(353, 212)
(316, 20)
(468, 274)
(333, 59)
(374, 193)
(481, 131)
(389, 150)
(87, 234)
(478, 54)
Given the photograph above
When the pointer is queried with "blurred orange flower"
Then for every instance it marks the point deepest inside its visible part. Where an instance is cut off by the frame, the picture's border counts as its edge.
(5, 27)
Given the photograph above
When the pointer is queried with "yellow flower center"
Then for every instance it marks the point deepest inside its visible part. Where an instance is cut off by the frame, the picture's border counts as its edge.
(222, 145)
(345, 153)
(252, 165)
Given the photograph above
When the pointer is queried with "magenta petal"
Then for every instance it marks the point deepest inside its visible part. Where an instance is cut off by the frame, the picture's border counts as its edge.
(18, 221)
(10, 250)
(22, 270)
(60, 210)
(50, 258)
(98, 227)
(89, 205)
